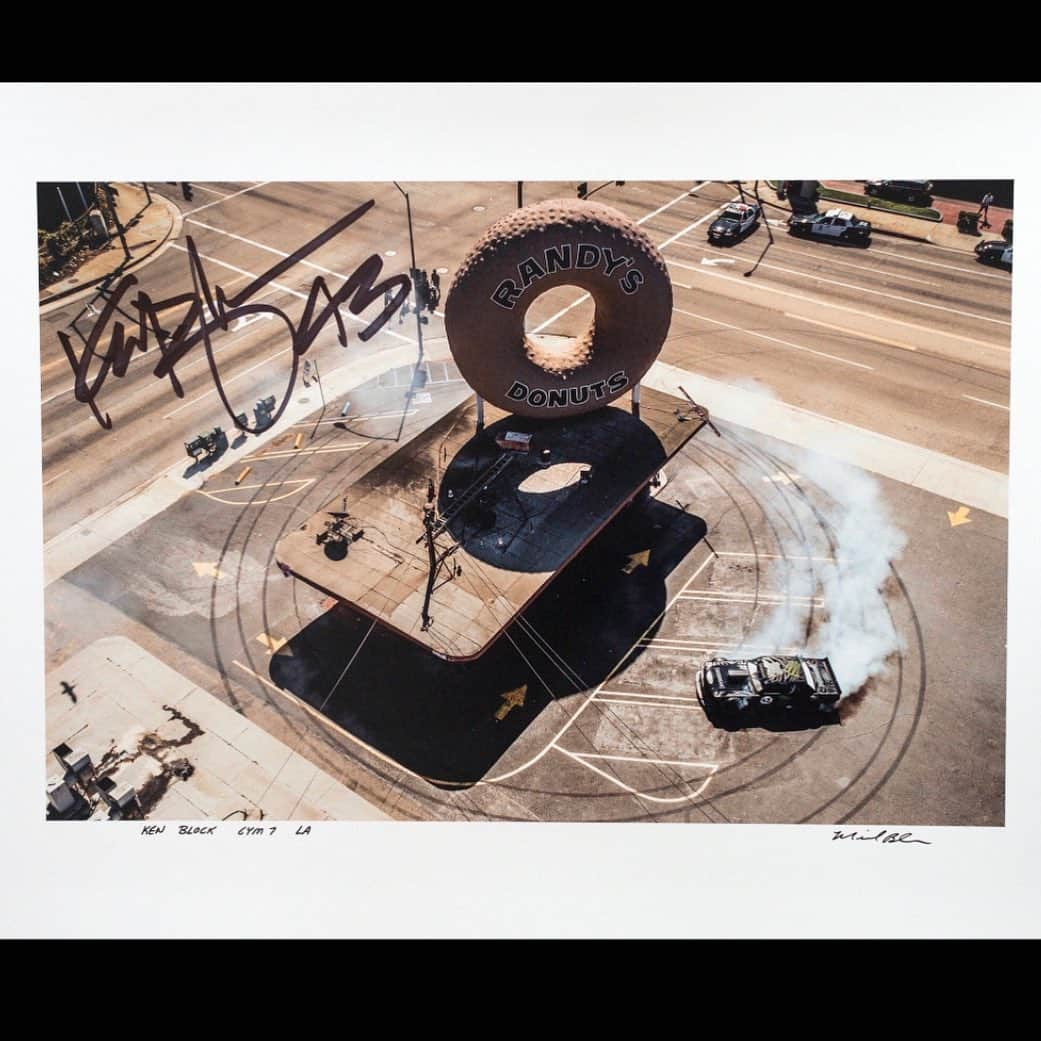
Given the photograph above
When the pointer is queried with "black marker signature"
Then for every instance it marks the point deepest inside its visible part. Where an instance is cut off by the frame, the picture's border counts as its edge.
(360, 287)
(884, 836)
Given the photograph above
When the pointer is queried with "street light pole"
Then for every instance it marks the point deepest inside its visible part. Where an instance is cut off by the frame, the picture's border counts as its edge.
(415, 290)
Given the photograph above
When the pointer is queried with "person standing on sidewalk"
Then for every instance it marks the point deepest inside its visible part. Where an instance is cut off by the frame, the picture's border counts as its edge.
(985, 207)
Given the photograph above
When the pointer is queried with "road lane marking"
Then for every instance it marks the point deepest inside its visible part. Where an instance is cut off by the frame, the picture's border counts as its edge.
(585, 296)
(910, 464)
(212, 191)
(959, 516)
(774, 339)
(857, 267)
(888, 296)
(936, 263)
(815, 256)
(55, 477)
(852, 332)
(207, 569)
(217, 202)
(292, 292)
(696, 224)
(874, 316)
(983, 401)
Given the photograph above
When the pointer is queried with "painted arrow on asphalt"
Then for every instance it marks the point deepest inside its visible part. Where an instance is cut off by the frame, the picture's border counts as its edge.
(510, 700)
(635, 561)
(716, 260)
(206, 570)
(272, 643)
(959, 516)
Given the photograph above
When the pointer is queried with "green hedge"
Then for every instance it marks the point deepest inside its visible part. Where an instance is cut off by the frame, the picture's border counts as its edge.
(874, 203)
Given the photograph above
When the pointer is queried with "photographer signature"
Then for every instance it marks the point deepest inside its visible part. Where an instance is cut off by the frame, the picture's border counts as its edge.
(211, 310)
(884, 836)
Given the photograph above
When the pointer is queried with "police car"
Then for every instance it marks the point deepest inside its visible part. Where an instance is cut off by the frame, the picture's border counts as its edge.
(835, 224)
(736, 221)
(772, 682)
(997, 251)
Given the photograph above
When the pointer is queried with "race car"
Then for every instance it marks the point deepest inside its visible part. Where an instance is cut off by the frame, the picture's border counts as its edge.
(771, 682)
(996, 251)
(835, 224)
(736, 221)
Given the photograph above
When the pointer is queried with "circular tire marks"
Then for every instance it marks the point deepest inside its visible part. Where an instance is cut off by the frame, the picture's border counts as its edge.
(763, 520)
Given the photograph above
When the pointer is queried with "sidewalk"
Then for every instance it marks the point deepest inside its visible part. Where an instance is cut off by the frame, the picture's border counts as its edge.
(940, 233)
(188, 755)
(149, 226)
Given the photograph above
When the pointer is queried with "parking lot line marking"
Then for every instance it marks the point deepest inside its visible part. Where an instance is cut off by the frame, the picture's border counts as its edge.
(633, 694)
(710, 273)
(217, 202)
(55, 477)
(775, 556)
(983, 401)
(774, 339)
(642, 759)
(300, 485)
(648, 704)
(585, 704)
(353, 447)
(682, 285)
(359, 419)
(633, 791)
(769, 599)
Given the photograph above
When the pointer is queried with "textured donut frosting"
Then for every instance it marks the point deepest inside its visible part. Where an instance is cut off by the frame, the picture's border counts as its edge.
(561, 242)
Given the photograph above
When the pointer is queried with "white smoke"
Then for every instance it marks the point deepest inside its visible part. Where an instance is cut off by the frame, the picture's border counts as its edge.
(857, 633)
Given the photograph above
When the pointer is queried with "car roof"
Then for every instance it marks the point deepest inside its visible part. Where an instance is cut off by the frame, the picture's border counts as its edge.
(839, 213)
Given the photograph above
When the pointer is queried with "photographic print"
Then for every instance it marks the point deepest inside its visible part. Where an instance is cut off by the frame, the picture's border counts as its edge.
(623, 500)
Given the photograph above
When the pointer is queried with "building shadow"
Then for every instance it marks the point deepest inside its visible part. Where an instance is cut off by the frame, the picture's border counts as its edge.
(450, 722)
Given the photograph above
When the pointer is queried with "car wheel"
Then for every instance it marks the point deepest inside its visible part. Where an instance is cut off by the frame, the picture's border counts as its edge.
(766, 700)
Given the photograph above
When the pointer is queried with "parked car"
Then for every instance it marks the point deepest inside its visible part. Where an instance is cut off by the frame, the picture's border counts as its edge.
(835, 224)
(996, 251)
(736, 221)
(785, 683)
(917, 193)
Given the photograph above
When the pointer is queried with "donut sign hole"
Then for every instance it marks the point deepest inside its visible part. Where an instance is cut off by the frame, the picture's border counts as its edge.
(552, 478)
(558, 329)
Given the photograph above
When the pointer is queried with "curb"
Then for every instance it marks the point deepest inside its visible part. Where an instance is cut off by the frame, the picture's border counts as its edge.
(69, 295)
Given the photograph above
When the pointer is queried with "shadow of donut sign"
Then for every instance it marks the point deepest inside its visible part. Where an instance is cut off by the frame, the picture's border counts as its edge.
(565, 242)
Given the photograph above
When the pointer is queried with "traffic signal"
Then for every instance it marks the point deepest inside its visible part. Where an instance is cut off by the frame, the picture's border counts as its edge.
(186, 191)
(583, 189)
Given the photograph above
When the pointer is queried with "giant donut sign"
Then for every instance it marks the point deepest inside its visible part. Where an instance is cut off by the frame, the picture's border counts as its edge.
(535, 249)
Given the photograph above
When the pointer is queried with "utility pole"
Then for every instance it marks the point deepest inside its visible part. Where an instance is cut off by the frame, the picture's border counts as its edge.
(321, 390)
(520, 194)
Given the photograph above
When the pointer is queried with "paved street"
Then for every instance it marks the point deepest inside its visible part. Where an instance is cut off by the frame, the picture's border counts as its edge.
(751, 534)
